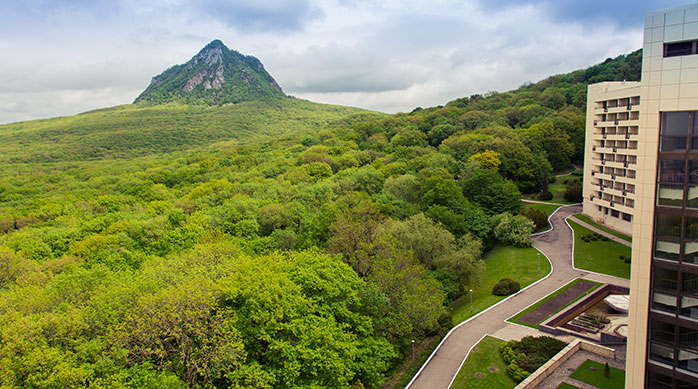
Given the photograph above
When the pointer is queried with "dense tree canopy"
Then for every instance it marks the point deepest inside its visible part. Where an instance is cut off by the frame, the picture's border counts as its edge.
(308, 259)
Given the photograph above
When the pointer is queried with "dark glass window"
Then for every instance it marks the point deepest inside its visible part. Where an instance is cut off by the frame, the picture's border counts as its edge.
(665, 278)
(627, 217)
(658, 381)
(692, 228)
(693, 172)
(662, 332)
(673, 143)
(675, 123)
(689, 283)
(668, 225)
(678, 49)
(672, 170)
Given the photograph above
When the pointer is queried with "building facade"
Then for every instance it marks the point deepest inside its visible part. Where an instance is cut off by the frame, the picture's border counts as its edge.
(663, 194)
(610, 157)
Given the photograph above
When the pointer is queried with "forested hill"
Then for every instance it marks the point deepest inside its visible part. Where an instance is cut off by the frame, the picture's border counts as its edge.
(311, 256)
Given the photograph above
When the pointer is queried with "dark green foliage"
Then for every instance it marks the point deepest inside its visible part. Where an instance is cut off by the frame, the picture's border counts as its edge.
(573, 193)
(505, 287)
(538, 216)
(606, 371)
(492, 192)
(527, 355)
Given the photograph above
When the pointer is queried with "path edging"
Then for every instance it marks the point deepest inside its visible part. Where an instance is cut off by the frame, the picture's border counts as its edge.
(552, 269)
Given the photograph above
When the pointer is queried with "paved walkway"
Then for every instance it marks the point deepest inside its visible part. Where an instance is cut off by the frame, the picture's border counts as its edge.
(602, 232)
(556, 244)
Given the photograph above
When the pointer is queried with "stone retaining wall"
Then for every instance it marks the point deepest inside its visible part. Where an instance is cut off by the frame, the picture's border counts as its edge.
(546, 370)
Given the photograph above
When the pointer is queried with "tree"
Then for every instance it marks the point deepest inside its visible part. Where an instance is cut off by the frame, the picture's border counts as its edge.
(353, 233)
(513, 230)
(487, 159)
(573, 193)
(494, 193)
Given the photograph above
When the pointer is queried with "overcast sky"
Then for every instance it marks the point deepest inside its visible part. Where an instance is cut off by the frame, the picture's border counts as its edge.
(61, 57)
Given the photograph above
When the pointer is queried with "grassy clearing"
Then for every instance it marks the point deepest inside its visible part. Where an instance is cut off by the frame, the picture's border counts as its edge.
(591, 372)
(547, 208)
(519, 264)
(517, 317)
(599, 256)
(588, 220)
(477, 369)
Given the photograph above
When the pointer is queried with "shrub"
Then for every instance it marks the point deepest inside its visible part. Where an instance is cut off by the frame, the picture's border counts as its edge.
(626, 260)
(528, 354)
(505, 287)
(606, 371)
(539, 217)
(545, 195)
(604, 238)
(621, 256)
(552, 179)
(573, 194)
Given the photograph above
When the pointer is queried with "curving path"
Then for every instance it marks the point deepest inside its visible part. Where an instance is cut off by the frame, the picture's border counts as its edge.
(556, 244)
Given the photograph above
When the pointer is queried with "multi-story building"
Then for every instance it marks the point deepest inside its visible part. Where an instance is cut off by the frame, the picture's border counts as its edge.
(610, 162)
(641, 175)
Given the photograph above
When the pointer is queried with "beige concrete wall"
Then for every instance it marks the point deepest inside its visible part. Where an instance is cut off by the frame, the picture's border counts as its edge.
(555, 362)
(598, 93)
(668, 84)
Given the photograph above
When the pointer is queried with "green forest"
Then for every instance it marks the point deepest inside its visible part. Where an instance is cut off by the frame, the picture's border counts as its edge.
(264, 244)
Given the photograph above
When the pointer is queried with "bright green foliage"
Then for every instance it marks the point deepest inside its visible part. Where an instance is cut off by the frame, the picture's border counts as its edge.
(183, 245)
(514, 230)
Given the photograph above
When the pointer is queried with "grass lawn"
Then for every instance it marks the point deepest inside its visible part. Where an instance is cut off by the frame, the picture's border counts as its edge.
(588, 220)
(519, 264)
(547, 208)
(591, 372)
(565, 385)
(557, 189)
(477, 369)
(599, 256)
(533, 307)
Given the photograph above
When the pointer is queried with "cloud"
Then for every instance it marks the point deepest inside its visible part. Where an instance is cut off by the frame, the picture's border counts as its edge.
(262, 15)
(393, 55)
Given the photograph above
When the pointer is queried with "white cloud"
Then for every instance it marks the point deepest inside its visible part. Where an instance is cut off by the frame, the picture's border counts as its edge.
(389, 56)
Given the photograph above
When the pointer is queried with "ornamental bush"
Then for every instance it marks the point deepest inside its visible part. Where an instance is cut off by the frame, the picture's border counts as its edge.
(505, 287)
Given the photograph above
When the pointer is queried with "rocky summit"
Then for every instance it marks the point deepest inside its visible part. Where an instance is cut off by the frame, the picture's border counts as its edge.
(214, 76)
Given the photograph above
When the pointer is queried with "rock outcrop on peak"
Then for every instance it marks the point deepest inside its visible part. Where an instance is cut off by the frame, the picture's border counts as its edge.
(214, 76)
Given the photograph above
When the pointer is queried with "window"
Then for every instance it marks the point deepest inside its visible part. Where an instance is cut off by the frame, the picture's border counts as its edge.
(679, 48)
(672, 170)
(670, 195)
(627, 217)
(615, 213)
(668, 225)
(667, 250)
(658, 381)
(666, 279)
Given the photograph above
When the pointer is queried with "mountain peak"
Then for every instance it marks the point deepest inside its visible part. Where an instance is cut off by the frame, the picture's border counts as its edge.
(214, 76)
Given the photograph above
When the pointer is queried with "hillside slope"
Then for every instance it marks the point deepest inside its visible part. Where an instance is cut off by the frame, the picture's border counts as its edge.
(129, 131)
